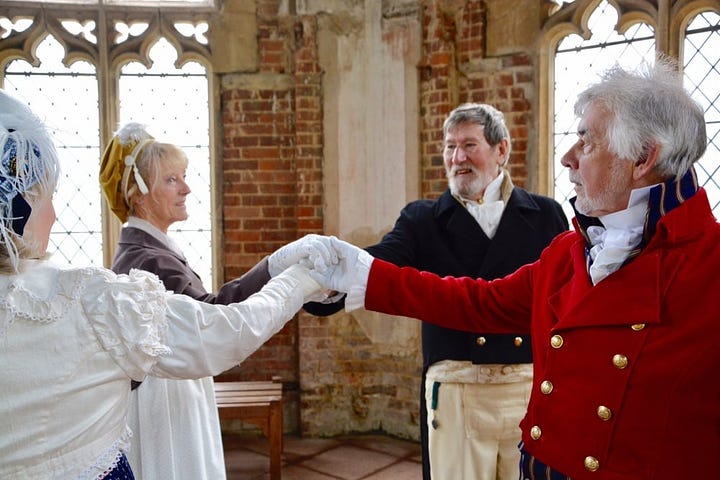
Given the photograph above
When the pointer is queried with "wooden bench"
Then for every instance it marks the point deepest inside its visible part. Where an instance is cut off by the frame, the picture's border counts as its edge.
(259, 403)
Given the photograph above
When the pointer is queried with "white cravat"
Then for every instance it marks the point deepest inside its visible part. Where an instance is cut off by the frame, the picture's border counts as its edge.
(488, 212)
(612, 244)
(610, 249)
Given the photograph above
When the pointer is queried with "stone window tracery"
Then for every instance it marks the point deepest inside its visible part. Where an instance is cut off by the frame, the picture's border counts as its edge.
(89, 67)
(584, 37)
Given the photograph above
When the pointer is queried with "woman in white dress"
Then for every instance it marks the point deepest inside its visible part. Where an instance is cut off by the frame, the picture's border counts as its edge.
(72, 339)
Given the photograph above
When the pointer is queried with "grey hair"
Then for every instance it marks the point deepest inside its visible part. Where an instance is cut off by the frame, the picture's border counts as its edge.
(481, 114)
(650, 106)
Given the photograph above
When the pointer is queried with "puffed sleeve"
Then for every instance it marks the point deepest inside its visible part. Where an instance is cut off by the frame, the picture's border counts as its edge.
(128, 315)
(148, 329)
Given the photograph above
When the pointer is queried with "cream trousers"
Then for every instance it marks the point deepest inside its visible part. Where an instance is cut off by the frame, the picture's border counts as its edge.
(473, 428)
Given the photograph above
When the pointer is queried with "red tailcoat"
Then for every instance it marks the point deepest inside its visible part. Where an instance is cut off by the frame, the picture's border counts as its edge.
(627, 372)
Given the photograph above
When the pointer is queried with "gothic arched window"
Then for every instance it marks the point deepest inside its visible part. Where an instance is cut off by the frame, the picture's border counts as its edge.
(88, 69)
(585, 37)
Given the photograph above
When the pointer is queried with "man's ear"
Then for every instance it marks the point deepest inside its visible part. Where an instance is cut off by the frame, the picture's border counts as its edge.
(503, 148)
(645, 164)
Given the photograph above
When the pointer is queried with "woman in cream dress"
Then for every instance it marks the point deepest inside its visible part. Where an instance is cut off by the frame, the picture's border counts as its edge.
(72, 339)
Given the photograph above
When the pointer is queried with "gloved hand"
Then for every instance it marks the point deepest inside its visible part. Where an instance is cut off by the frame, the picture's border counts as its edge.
(349, 272)
(311, 290)
(311, 250)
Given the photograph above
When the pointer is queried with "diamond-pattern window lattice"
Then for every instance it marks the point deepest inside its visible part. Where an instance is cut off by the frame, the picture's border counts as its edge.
(172, 102)
(702, 79)
(578, 61)
(578, 64)
(66, 99)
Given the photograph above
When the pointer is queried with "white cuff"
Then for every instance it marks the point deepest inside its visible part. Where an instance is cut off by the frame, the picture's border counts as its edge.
(356, 295)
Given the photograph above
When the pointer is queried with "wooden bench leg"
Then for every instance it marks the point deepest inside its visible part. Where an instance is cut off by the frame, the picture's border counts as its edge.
(259, 403)
(275, 437)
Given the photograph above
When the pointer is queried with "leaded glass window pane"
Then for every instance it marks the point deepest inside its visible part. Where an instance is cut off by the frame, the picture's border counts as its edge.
(578, 63)
(702, 79)
(66, 99)
(173, 104)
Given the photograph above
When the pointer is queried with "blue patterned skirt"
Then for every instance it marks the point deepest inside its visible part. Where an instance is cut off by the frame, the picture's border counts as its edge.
(122, 470)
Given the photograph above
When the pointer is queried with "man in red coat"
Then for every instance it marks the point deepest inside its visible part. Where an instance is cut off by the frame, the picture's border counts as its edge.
(625, 327)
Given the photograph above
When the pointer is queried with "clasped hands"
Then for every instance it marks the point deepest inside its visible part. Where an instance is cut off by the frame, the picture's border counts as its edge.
(336, 265)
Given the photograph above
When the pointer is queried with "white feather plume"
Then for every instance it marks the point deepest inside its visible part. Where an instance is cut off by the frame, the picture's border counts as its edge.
(18, 121)
(28, 158)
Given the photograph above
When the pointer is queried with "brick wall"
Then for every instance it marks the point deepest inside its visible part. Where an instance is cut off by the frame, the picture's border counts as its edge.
(263, 199)
(507, 84)
(455, 70)
(272, 163)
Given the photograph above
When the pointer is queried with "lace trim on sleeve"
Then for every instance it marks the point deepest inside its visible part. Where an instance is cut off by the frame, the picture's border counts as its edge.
(128, 314)
(43, 295)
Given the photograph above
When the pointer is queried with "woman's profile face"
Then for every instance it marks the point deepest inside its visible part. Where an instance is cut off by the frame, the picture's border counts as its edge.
(165, 202)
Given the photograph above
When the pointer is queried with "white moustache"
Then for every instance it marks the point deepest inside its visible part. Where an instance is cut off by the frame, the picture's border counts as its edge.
(454, 170)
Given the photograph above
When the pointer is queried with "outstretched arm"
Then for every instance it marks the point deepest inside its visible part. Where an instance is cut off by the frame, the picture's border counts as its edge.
(209, 339)
(148, 330)
(498, 306)
(462, 303)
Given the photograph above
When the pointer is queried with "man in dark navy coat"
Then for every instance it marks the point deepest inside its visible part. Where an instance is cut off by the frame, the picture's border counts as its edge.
(475, 386)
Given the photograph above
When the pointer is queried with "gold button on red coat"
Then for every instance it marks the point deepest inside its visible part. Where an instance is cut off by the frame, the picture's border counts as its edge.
(535, 433)
(591, 464)
(620, 361)
(556, 341)
(518, 341)
(604, 413)
(481, 341)
(546, 387)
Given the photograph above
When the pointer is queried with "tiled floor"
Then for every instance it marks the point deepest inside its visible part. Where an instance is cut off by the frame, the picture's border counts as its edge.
(357, 457)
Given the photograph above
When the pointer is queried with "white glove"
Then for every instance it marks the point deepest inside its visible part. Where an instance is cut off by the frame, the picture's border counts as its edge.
(311, 251)
(349, 273)
(311, 290)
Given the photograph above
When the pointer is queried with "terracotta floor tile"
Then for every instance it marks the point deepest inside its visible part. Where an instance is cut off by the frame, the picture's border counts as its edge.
(296, 472)
(383, 444)
(355, 457)
(405, 470)
(349, 462)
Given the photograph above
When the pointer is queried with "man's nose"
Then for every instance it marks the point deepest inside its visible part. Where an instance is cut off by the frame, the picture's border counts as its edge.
(569, 160)
(459, 155)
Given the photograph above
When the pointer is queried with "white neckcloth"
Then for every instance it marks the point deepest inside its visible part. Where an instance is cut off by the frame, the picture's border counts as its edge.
(612, 244)
(488, 212)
